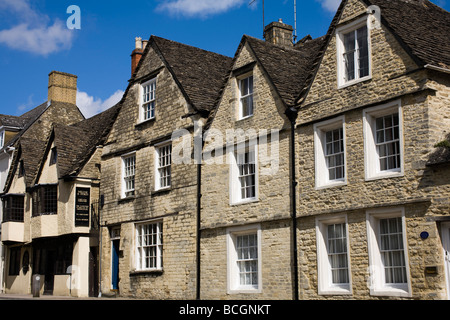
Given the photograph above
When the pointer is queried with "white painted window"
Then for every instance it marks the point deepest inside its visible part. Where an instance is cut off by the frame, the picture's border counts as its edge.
(383, 137)
(244, 177)
(163, 166)
(329, 147)
(148, 96)
(244, 259)
(246, 97)
(353, 49)
(128, 175)
(149, 246)
(333, 256)
(388, 256)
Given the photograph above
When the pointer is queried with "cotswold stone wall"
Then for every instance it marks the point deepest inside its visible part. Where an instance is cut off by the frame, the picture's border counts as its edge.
(272, 208)
(175, 207)
(421, 190)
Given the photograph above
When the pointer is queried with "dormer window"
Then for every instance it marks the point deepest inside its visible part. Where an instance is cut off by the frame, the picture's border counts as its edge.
(246, 97)
(353, 47)
(53, 156)
(148, 95)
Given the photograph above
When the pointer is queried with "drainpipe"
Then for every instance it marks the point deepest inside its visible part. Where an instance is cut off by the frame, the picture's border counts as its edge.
(199, 196)
(198, 147)
(292, 114)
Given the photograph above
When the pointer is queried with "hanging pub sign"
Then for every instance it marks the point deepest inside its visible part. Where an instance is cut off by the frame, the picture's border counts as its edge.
(82, 198)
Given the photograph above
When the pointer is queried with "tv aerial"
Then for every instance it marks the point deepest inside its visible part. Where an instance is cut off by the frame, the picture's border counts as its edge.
(263, 18)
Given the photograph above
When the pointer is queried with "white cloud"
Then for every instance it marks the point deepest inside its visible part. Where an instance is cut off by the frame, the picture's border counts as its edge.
(201, 8)
(34, 33)
(330, 5)
(91, 106)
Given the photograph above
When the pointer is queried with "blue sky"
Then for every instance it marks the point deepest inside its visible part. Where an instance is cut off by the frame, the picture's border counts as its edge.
(34, 40)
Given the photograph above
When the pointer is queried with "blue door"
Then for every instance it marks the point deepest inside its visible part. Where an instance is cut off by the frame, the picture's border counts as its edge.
(115, 265)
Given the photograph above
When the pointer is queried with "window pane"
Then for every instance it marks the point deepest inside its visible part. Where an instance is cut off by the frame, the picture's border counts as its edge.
(363, 52)
(349, 55)
(164, 166)
(247, 259)
(247, 174)
(148, 247)
(246, 87)
(334, 153)
(337, 253)
(391, 249)
(388, 143)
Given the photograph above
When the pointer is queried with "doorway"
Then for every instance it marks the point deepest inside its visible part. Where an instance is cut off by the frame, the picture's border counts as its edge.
(115, 265)
(49, 273)
(445, 231)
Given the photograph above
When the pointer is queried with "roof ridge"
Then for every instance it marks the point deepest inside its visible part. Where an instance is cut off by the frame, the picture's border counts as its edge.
(188, 45)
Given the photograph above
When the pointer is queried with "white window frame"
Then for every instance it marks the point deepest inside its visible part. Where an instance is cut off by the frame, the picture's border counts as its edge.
(126, 190)
(140, 248)
(371, 157)
(143, 102)
(2, 138)
(321, 168)
(377, 284)
(158, 147)
(233, 276)
(235, 182)
(325, 285)
(340, 49)
(241, 97)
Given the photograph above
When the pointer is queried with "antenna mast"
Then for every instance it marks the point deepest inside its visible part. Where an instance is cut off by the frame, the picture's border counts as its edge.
(295, 21)
(253, 1)
(264, 25)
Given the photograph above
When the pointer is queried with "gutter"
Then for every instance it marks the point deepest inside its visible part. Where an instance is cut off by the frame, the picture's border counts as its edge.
(440, 69)
(292, 114)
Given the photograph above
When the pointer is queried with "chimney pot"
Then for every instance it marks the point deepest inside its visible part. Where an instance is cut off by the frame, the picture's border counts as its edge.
(138, 43)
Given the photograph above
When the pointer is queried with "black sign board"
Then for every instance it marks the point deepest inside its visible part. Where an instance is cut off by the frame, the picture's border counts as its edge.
(82, 204)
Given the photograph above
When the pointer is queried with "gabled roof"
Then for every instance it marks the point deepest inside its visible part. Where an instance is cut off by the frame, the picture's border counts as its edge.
(421, 26)
(13, 121)
(30, 151)
(25, 121)
(200, 74)
(287, 67)
(76, 143)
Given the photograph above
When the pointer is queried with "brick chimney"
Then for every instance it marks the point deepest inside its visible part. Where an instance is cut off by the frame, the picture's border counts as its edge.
(136, 55)
(62, 87)
(279, 33)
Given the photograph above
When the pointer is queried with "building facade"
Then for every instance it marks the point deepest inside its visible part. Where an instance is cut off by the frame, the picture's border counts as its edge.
(149, 183)
(311, 170)
(35, 125)
(373, 208)
(50, 211)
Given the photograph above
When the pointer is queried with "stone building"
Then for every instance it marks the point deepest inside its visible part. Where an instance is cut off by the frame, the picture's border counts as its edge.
(36, 125)
(369, 197)
(373, 207)
(149, 186)
(50, 226)
(247, 196)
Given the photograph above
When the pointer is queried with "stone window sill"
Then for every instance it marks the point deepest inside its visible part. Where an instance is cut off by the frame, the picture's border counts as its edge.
(161, 191)
(156, 272)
